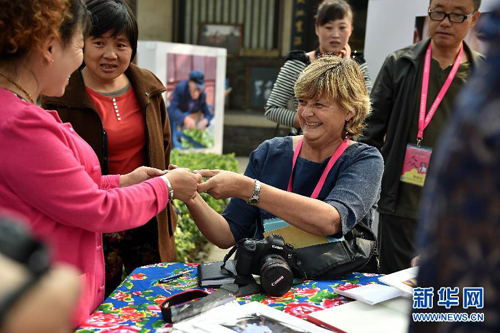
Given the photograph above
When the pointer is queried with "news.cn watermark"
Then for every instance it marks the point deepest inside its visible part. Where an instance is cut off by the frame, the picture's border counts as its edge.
(472, 297)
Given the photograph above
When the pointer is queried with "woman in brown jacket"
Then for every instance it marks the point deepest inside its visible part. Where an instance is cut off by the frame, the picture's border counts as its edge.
(119, 110)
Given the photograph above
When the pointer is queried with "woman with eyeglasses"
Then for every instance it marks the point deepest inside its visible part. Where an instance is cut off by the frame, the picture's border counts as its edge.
(334, 21)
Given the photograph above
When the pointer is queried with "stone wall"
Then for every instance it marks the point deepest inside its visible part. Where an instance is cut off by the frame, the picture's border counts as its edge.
(155, 19)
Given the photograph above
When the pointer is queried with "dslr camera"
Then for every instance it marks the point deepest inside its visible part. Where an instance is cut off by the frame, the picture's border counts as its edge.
(16, 243)
(272, 259)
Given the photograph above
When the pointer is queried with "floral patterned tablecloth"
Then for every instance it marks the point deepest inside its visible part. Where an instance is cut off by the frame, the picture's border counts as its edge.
(134, 305)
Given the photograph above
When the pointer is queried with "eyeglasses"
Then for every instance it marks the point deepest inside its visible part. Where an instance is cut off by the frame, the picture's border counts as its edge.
(454, 18)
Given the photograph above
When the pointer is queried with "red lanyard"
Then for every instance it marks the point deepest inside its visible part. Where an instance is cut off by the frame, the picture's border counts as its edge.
(329, 166)
(424, 120)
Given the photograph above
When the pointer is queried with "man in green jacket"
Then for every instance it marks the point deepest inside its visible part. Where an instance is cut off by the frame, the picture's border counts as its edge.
(411, 105)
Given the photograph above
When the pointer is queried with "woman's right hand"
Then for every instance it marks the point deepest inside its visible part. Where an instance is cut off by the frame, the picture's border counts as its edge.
(184, 183)
(346, 52)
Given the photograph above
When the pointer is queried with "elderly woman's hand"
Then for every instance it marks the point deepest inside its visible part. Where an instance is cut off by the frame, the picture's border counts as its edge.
(139, 175)
(222, 184)
(184, 183)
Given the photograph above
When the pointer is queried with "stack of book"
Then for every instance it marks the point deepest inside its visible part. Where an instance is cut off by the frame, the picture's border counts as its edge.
(377, 308)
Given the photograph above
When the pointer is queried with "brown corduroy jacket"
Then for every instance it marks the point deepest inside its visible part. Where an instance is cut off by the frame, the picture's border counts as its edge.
(77, 108)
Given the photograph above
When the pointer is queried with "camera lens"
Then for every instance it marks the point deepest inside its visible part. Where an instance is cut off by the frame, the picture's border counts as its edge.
(275, 275)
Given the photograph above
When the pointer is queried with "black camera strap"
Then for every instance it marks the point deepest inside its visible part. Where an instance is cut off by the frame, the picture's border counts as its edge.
(247, 284)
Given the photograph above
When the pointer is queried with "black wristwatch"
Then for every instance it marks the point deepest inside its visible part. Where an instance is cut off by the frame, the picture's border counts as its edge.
(254, 199)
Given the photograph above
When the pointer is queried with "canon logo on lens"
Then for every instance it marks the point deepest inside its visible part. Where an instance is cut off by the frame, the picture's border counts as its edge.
(277, 281)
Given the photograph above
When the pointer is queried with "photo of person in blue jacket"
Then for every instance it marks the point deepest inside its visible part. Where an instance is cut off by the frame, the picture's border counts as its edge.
(188, 108)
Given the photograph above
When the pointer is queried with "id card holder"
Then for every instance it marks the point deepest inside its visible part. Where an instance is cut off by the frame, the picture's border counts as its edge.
(416, 164)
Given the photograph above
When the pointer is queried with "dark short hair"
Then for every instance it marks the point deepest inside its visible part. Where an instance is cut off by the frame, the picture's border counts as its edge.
(79, 17)
(331, 10)
(115, 16)
(475, 3)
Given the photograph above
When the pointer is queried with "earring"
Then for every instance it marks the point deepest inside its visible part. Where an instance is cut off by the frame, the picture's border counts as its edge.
(51, 60)
(346, 127)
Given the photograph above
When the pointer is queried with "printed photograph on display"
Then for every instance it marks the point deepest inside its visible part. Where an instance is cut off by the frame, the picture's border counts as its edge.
(173, 63)
(257, 322)
(474, 38)
(228, 36)
(179, 66)
(257, 317)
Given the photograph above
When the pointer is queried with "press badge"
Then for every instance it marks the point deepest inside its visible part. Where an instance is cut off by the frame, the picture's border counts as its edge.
(415, 164)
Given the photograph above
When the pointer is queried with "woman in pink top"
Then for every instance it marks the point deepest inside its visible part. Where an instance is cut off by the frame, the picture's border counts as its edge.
(47, 172)
(119, 110)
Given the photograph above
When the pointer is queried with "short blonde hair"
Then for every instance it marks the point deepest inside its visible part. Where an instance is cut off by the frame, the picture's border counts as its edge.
(339, 80)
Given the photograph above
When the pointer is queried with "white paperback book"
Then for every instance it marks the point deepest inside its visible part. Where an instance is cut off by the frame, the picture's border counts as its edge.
(404, 280)
(371, 294)
(357, 317)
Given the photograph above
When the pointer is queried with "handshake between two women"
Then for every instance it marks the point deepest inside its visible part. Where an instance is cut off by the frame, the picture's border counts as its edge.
(186, 184)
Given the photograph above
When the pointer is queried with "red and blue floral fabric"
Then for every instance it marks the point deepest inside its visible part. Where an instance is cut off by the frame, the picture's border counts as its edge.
(135, 305)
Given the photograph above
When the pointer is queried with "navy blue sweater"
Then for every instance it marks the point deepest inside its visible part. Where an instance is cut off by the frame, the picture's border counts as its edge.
(352, 185)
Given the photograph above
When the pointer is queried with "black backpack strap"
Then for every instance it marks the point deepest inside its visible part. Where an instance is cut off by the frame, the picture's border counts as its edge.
(358, 57)
(298, 55)
(297, 267)
(363, 231)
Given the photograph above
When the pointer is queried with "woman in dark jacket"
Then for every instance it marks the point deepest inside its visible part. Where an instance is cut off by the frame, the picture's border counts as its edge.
(119, 110)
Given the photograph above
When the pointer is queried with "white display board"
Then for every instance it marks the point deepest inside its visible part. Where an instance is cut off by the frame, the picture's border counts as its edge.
(390, 25)
(153, 56)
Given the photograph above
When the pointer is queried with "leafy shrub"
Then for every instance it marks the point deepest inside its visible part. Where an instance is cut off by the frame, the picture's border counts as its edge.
(203, 137)
(189, 240)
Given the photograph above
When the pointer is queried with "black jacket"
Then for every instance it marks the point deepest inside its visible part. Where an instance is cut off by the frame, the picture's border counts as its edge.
(394, 96)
